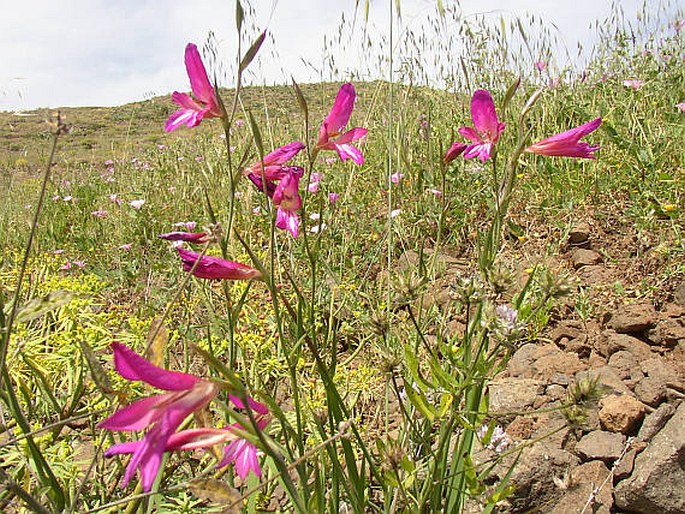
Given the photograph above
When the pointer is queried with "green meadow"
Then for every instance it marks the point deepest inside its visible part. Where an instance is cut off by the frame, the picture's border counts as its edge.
(370, 337)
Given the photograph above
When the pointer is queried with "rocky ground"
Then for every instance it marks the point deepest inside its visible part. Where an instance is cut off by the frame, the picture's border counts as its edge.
(628, 455)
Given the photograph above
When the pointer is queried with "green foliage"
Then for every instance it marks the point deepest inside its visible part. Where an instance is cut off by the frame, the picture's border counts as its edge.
(344, 324)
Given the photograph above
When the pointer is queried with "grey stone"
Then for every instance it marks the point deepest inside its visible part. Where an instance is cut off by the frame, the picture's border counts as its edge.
(656, 484)
(509, 394)
(655, 422)
(598, 444)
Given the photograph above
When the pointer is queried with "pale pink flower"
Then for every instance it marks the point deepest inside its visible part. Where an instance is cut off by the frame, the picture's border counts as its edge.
(79, 264)
(109, 162)
(239, 123)
(396, 177)
(333, 197)
(679, 24)
(681, 106)
(314, 181)
(331, 136)
(394, 213)
(206, 104)
(126, 247)
(436, 192)
(137, 204)
(100, 213)
(541, 65)
(634, 84)
(115, 199)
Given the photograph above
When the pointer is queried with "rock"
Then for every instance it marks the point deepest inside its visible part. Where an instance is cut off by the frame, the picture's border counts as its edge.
(625, 466)
(616, 342)
(511, 394)
(593, 275)
(534, 475)
(607, 378)
(579, 234)
(633, 319)
(650, 391)
(656, 484)
(627, 367)
(679, 294)
(544, 362)
(667, 332)
(569, 329)
(663, 372)
(552, 361)
(584, 479)
(655, 422)
(621, 413)
(602, 445)
(521, 428)
(582, 257)
(520, 364)
(556, 392)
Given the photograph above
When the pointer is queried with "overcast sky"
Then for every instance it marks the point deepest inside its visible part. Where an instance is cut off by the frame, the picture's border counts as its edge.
(57, 53)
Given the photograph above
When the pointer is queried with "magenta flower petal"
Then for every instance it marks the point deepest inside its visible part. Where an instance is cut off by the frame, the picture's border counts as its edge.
(132, 366)
(331, 136)
(484, 115)
(273, 161)
(189, 237)
(340, 113)
(487, 127)
(243, 455)
(567, 144)
(192, 112)
(215, 268)
(138, 415)
(287, 198)
(199, 82)
(455, 151)
(257, 407)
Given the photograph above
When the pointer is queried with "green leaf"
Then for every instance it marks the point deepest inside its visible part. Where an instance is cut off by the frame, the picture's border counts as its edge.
(251, 52)
(239, 15)
(38, 307)
(301, 99)
(96, 371)
(421, 403)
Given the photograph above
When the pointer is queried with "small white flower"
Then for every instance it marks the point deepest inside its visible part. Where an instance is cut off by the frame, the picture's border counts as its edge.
(136, 204)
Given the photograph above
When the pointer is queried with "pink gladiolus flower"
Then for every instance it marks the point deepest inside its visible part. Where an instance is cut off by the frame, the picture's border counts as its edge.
(192, 112)
(455, 151)
(137, 204)
(679, 24)
(333, 197)
(215, 268)
(287, 198)
(126, 247)
(541, 65)
(164, 413)
(331, 135)
(396, 177)
(487, 127)
(567, 144)
(273, 162)
(634, 84)
(681, 106)
(435, 192)
(100, 213)
(189, 237)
